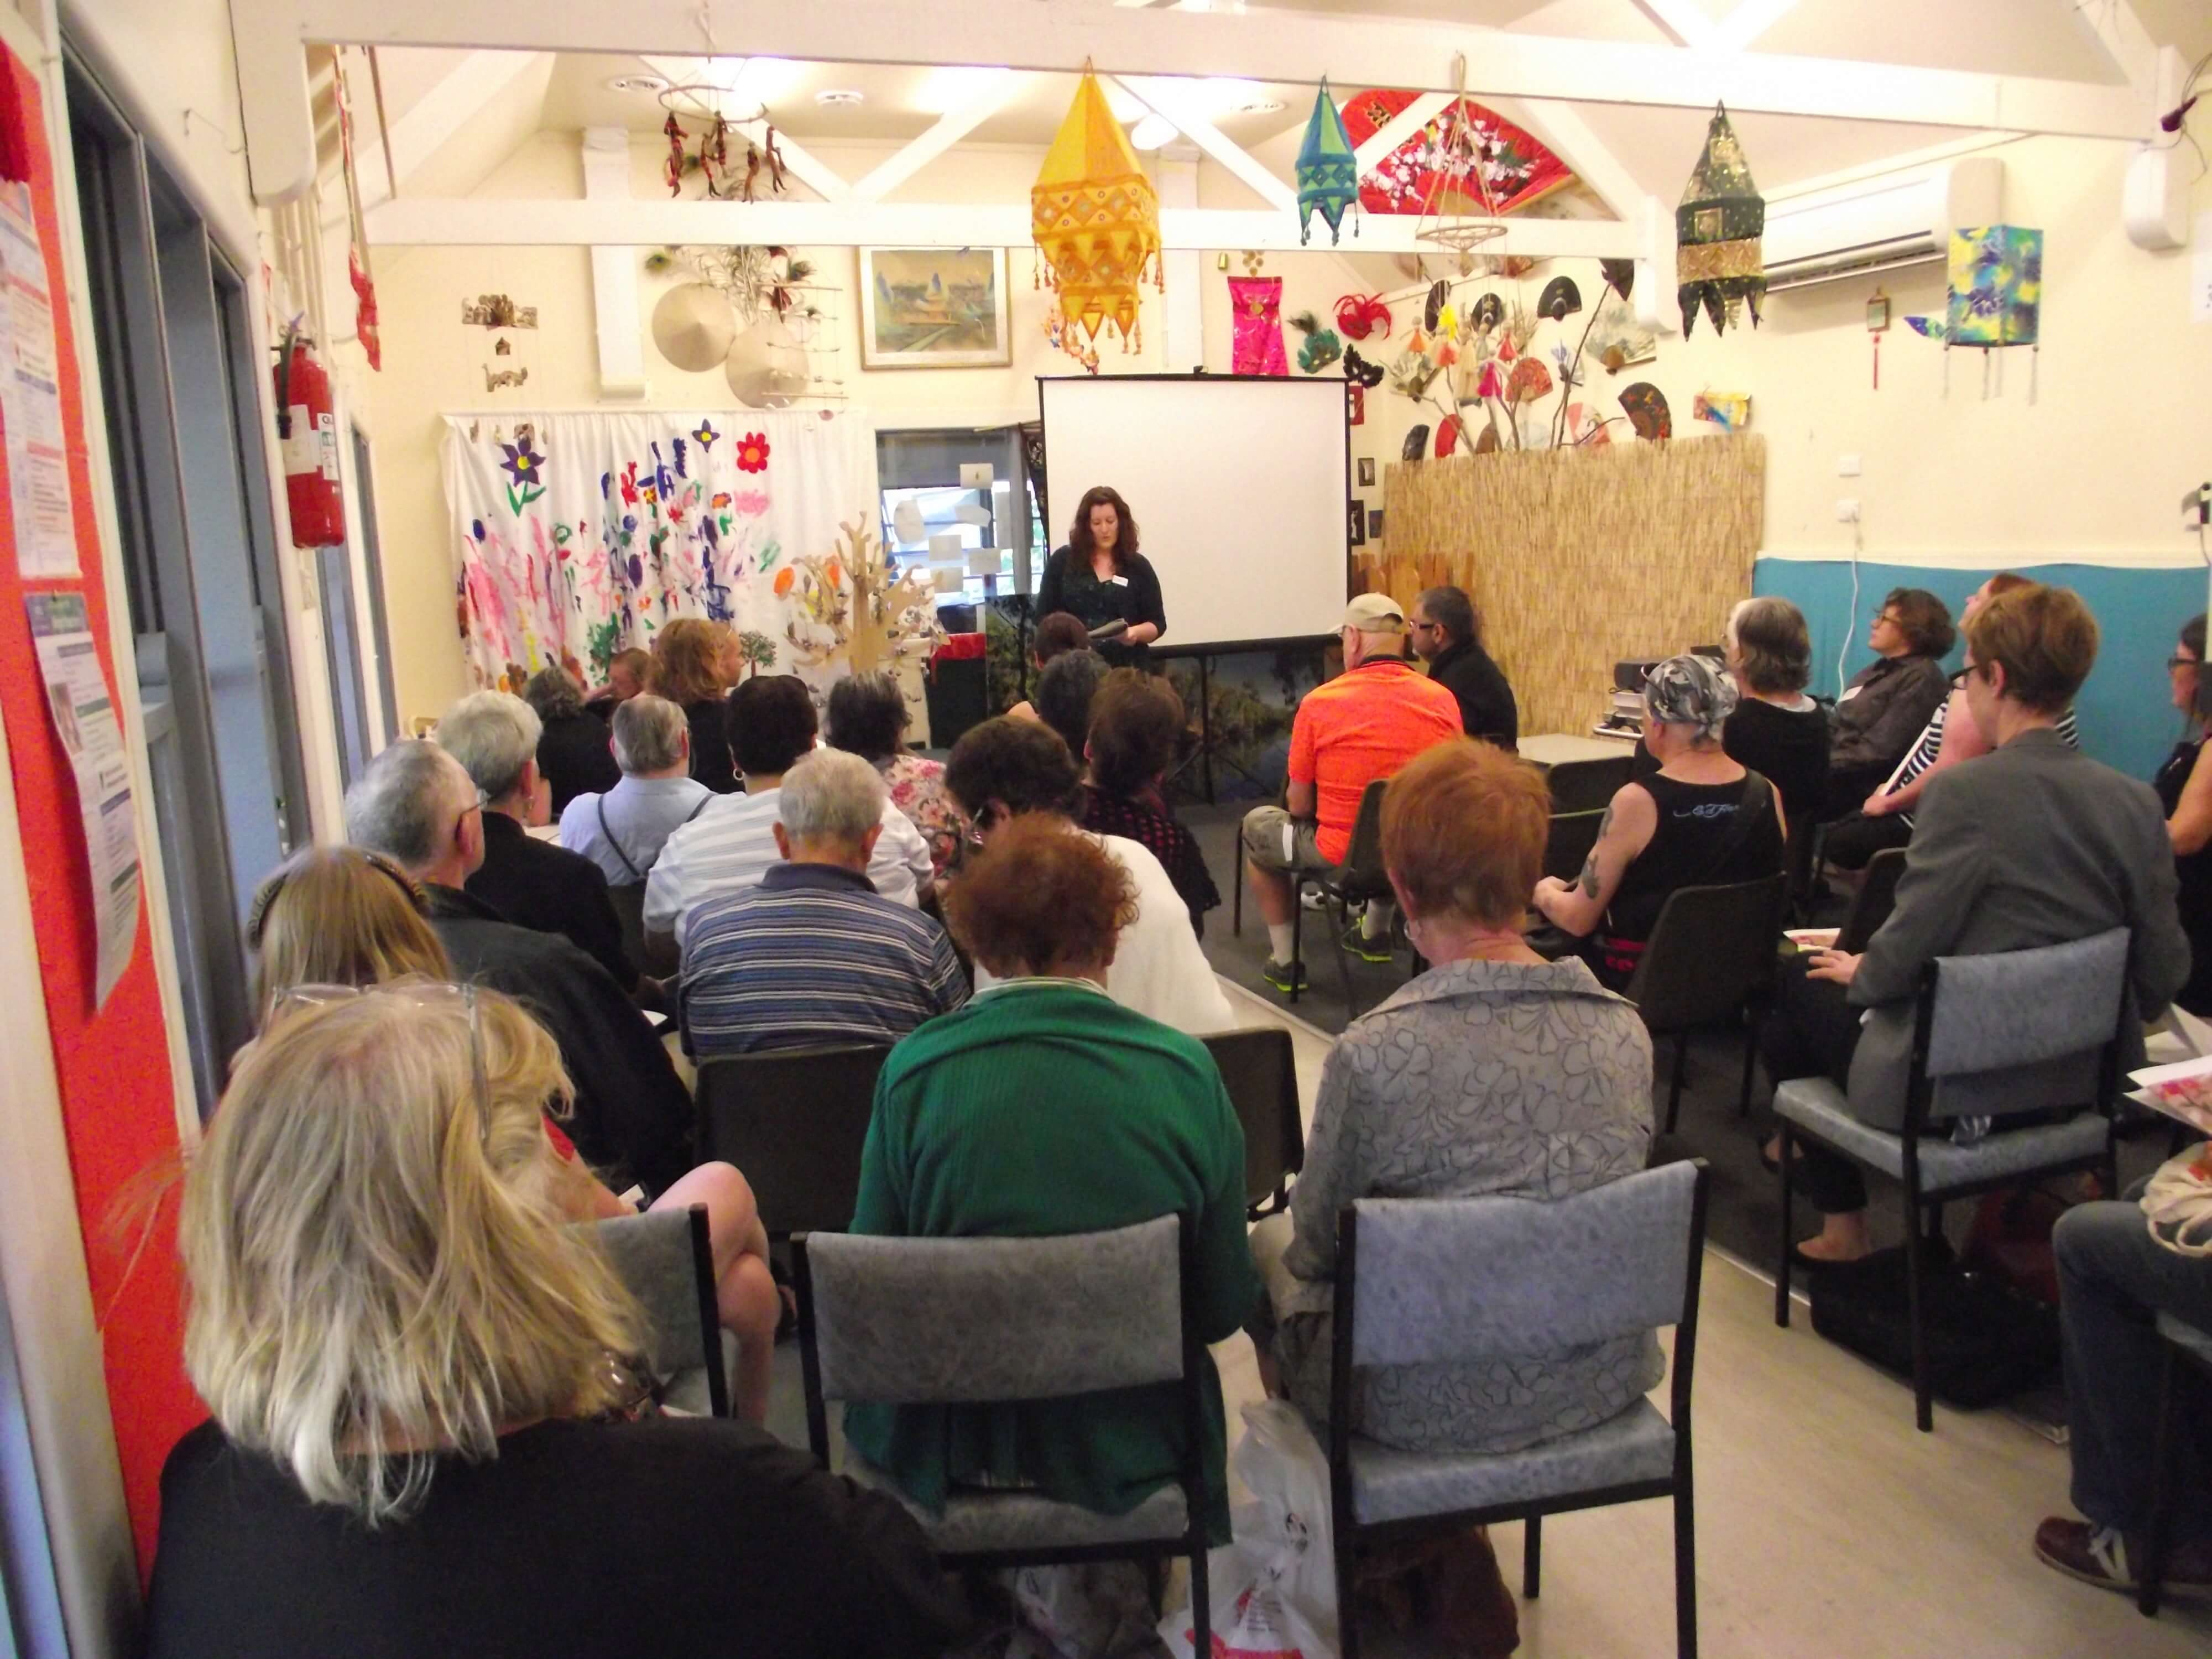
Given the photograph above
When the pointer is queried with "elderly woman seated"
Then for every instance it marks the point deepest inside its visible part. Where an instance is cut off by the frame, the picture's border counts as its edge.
(1044, 1108)
(1701, 820)
(425, 1439)
(572, 755)
(1136, 721)
(868, 717)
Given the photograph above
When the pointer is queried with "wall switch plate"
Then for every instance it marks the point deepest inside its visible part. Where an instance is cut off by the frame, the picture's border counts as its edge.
(1847, 510)
(1847, 466)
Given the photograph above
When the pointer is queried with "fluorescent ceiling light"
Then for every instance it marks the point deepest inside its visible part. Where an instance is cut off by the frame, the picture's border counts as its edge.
(1153, 131)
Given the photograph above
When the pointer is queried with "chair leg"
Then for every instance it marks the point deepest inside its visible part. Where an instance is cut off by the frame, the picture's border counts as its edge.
(2161, 1490)
(1750, 1058)
(1782, 1254)
(1344, 960)
(1532, 1556)
(1347, 1602)
(1681, 1065)
(1685, 1571)
(1923, 1414)
(1201, 1605)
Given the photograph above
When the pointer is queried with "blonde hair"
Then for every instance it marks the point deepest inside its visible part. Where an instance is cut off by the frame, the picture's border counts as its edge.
(687, 661)
(337, 916)
(377, 1271)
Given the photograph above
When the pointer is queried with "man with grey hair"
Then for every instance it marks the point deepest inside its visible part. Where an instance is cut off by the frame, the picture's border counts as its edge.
(814, 955)
(526, 881)
(624, 831)
(632, 1119)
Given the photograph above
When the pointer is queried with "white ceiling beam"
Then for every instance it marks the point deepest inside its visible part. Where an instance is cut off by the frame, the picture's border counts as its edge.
(1398, 129)
(1750, 20)
(1177, 101)
(816, 175)
(488, 221)
(459, 95)
(990, 96)
(1562, 127)
(1682, 19)
(2116, 31)
(1063, 35)
(614, 270)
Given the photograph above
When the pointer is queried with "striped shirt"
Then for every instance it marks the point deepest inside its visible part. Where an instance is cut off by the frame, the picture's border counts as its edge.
(1931, 745)
(812, 955)
(730, 845)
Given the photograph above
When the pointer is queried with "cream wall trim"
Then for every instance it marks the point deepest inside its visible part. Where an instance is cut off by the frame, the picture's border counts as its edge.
(614, 270)
(1359, 51)
(2181, 556)
(277, 112)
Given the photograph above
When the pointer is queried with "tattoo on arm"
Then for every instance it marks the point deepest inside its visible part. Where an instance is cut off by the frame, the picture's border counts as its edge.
(1588, 879)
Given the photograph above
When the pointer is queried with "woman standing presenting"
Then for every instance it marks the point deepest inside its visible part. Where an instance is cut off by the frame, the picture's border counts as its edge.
(1101, 578)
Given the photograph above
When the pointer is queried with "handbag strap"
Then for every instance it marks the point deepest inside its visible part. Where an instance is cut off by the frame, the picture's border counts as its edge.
(629, 863)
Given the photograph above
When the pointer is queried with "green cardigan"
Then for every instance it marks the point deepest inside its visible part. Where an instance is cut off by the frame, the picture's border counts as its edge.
(1041, 1108)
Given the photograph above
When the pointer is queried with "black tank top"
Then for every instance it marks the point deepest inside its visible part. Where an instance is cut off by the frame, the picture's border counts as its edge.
(1689, 847)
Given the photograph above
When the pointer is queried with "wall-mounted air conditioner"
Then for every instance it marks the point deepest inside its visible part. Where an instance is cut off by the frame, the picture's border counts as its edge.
(1882, 224)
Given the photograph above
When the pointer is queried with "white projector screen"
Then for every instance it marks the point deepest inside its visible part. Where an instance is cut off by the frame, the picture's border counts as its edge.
(1238, 486)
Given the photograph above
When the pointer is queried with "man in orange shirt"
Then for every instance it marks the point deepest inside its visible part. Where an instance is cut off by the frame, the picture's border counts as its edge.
(1362, 726)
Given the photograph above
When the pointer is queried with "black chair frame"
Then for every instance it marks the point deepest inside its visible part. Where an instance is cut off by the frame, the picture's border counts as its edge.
(1358, 883)
(1752, 1006)
(1872, 903)
(2161, 1477)
(829, 1145)
(1190, 1475)
(1923, 1205)
(1271, 1124)
(710, 1315)
(1352, 1536)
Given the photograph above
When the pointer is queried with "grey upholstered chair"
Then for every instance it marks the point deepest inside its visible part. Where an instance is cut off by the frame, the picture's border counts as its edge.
(1995, 1036)
(902, 1321)
(1260, 1071)
(1459, 1280)
(666, 1261)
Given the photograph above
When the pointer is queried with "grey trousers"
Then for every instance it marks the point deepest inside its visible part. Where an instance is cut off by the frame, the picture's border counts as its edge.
(2112, 1278)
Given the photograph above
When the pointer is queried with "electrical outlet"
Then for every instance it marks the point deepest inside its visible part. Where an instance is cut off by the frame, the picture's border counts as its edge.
(1847, 510)
(1847, 466)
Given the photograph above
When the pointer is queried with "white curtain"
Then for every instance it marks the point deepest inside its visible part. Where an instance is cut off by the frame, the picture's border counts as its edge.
(578, 536)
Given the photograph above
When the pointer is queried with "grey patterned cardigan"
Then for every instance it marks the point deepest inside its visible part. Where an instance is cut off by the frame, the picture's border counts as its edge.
(1478, 1078)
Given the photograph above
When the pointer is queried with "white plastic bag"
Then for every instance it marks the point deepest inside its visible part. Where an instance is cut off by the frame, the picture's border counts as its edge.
(1274, 1588)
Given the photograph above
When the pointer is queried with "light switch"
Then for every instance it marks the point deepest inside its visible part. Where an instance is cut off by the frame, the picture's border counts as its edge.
(1847, 466)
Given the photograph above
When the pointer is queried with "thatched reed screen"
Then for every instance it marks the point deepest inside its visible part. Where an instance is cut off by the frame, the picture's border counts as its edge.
(1578, 558)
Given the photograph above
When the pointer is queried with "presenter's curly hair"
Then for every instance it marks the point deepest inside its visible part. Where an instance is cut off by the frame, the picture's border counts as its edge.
(1125, 532)
(1041, 897)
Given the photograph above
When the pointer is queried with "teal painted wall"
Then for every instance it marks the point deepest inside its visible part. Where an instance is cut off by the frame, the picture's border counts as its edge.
(2126, 721)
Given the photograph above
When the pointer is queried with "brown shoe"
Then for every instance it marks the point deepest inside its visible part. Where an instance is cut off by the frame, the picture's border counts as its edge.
(2103, 1556)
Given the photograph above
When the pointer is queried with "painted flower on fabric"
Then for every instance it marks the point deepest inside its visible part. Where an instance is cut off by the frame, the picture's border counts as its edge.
(752, 452)
(783, 581)
(750, 503)
(680, 450)
(629, 485)
(705, 436)
(721, 498)
(522, 464)
(476, 526)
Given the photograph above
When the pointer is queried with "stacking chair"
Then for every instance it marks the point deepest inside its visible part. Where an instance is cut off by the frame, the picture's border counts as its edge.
(654, 954)
(1459, 1280)
(794, 1120)
(1710, 957)
(1587, 786)
(1568, 846)
(666, 1260)
(1872, 903)
(2186, 1345)
(1995, 1036)
(920, 1321)
(1258, 1069)
(1361, 879)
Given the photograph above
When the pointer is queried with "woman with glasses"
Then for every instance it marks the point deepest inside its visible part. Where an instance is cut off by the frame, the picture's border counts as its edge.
(425, 1435)
(1891, 699)
(2184, 789)
(336, 919)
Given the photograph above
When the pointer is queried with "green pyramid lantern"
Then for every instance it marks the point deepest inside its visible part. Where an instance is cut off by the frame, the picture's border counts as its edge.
(1327, 170)
(1719, 261)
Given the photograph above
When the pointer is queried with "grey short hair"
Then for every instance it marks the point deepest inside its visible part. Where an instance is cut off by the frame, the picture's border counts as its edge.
(831, 796)
(1690, 690)
(649, 733)
(494, 735)
(554, 693)
(405, 804)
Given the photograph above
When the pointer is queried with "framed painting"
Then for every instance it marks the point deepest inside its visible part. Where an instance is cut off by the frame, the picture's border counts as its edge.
(933, 307)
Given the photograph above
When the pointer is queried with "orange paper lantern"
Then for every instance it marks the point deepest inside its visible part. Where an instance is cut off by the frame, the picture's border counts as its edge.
(1095, 219)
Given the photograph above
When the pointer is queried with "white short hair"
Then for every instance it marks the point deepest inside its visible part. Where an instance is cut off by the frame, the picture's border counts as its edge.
(494, 735)
(831, 796)
(405, 804)
(649, 733)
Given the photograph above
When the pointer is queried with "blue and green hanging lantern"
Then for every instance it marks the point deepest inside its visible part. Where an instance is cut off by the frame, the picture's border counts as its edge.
(1328, 169)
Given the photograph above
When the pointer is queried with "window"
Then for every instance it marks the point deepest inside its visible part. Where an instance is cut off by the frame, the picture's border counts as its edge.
(918, 473)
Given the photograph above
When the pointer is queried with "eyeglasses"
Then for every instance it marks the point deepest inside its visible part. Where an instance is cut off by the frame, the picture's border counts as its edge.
(1959, 679)
(2173, 662)
(1889, 616)
(424, 994)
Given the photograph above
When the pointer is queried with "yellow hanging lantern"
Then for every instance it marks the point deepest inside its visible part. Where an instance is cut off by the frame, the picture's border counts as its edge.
(1095, 219)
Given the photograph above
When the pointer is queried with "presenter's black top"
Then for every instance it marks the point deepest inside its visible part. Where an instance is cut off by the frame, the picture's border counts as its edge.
(1487, 708)
(579, 1540)
(1132, 597)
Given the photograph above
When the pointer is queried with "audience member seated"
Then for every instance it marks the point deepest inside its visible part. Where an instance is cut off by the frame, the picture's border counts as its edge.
(1702, 820)
(2185, 790)
(868, 717)
(1447, 635)
(1363, 724)
(1006, 769)
(814, 955)
(1064, 691)
(1058, 632)
(727, 847)
(337, 916)
(689, 670)
(1044, 1108)
(423, 1438)
(572, 742)
(1136, 721)
(416, 805)
(531, 883)
(2033, 844)
(1889, 700)
(2115, 1276)
(1532, 1081)
(623, 830)
(1884, 819)
(626, 671)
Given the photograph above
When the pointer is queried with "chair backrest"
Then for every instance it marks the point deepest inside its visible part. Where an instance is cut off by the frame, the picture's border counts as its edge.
(1459, 1280)
(1711, 948)
(2012, 1031)
(1578, 785)
(794, 1120)
(951, 1320)
(1363, 858)
(1872, 903)
(1259, 1071)
(666, 1260)
(1567, 847)
(656, 955)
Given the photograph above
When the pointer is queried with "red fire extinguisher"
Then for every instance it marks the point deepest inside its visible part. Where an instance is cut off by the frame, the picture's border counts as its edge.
(307, 429)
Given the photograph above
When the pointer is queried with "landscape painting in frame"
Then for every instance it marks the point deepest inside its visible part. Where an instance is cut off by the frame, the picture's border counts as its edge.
(934, 308)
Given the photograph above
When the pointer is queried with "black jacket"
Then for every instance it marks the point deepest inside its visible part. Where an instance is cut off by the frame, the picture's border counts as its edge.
(1069, 585)
(1487, 708)
(541, 884)
(710, 744)
(633, 1116)
(574, 756)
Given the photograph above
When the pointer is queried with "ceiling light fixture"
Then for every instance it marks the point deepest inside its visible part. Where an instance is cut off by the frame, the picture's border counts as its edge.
(840, 97)
(1259, 107)
(645, 84)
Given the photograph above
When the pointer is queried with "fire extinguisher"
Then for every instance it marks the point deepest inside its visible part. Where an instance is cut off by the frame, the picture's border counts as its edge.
(307, 430)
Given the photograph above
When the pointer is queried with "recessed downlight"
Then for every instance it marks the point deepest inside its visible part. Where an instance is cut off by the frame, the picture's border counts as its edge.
(840, 97)
(645, 84)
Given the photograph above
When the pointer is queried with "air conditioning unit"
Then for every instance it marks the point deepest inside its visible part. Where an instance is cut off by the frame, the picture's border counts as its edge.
(1882, 224)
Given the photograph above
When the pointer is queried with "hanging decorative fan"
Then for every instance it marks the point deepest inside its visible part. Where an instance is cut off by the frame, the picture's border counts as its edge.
(1468, 160)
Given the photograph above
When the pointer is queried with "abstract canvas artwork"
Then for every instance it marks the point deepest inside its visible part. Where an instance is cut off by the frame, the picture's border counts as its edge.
(934, 308)
(1997, 286)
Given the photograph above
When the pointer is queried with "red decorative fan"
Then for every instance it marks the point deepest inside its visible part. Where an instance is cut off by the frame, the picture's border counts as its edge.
(1468, 160)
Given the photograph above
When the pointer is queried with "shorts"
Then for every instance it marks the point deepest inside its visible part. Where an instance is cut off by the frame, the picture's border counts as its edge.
(1274, 840)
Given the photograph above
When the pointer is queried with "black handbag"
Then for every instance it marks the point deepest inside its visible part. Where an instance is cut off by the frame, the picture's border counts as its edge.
(1986, 1339)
